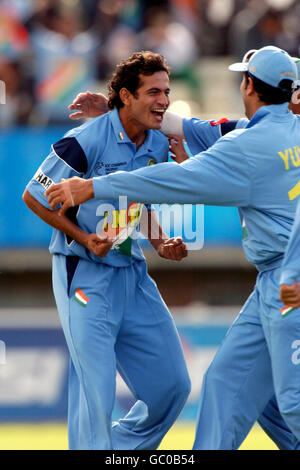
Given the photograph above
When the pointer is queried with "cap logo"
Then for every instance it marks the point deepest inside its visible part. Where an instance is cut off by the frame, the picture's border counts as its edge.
(287, 73)
(253, 69)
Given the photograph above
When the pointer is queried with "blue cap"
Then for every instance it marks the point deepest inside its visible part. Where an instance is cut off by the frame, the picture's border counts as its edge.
(270, 65)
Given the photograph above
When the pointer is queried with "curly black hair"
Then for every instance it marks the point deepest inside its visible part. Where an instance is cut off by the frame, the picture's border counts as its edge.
(127, 74)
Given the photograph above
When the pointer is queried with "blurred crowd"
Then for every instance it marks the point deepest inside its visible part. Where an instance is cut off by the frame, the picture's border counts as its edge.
(52, 49)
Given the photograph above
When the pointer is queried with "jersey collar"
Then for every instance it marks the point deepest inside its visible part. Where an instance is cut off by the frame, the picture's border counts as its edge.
(276, 110)
(120, 134)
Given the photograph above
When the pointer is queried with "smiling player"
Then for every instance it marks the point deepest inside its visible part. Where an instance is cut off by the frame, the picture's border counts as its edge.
(252, 169)
(110, 309)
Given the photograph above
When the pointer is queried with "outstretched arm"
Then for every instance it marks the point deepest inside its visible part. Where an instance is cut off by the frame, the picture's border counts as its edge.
(214, 177)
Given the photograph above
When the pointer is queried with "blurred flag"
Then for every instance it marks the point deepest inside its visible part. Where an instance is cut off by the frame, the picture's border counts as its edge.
(14, 37)
(63, 82)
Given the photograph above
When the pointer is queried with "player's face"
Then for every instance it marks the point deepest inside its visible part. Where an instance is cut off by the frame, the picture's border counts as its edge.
(147, 107)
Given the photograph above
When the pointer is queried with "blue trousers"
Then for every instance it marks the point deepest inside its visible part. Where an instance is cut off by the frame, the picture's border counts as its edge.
(259, 358)
(123, 326)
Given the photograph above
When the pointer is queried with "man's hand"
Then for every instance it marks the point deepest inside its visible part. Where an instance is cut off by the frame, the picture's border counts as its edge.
(290, 295)
(88, 105)
(99, 245)
(177, 148)
(173, 248)
(69, 193)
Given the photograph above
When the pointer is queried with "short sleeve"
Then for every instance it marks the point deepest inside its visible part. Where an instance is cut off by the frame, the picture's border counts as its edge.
(66, 159)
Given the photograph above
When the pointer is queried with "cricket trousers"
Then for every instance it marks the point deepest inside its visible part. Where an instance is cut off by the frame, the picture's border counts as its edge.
(259, 357)
(118, 321)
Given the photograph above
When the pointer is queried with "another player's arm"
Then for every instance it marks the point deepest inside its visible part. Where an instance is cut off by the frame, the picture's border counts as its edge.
(215, 177)
(168, 248)
(100, 247)
(88, 105)
(199, 134)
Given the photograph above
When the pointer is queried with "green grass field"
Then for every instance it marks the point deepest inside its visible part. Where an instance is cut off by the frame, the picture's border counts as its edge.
(53, 436)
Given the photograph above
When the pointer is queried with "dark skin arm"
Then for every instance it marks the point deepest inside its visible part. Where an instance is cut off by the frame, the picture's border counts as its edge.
(99, 246)
(290, 295)
(168, 248)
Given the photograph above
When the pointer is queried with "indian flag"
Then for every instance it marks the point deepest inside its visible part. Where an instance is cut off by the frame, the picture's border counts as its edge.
(81, 298)
(286, 310)
(121, 135)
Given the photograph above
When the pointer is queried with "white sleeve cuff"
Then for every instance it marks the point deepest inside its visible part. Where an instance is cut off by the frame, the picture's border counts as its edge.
(172, 124)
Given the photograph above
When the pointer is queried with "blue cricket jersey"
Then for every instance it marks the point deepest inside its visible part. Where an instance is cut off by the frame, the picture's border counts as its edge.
(200, 134)
(255, 169)
(290, 271)
(98, 147)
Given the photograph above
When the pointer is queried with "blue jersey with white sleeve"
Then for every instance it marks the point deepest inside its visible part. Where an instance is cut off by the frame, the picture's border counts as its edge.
(290, 271)
(201, 134)
(256, 169)
(98, 147)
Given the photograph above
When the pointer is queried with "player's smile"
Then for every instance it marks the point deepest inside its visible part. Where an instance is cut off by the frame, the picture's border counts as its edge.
(147, 107)
(159, 113)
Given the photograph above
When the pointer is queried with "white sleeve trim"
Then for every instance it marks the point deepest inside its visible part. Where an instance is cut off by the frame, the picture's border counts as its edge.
(61, 159)
(172, 124)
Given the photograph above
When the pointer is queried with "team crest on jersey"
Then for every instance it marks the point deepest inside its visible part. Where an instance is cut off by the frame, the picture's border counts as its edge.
(102, 168)
(43, 179)
(151, 162)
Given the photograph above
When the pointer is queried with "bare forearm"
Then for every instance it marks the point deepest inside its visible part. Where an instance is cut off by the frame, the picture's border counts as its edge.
(59, 222)
(151, 228)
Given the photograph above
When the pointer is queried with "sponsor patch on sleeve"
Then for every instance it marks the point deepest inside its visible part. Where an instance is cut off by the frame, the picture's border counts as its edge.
(43, 179)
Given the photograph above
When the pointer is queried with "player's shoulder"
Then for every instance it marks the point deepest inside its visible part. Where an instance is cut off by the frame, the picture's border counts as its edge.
(158, 137)
(234, 137)
(159, 143)
(90, 128)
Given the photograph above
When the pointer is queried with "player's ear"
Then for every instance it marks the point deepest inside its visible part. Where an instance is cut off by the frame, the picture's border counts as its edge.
(125, 96)
(250, 86)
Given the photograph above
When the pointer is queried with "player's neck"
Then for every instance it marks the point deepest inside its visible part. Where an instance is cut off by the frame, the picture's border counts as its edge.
(253, 107)
(136, 133)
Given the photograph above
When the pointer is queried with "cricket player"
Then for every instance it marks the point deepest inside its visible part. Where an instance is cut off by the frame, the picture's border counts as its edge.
(290, 274)
(200, 135)
(112, 314)
(255, 169)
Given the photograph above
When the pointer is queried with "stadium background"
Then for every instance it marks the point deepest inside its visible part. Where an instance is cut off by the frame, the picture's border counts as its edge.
(49, 51)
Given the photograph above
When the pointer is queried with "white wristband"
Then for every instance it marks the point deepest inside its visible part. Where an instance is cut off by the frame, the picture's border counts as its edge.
(172, 124)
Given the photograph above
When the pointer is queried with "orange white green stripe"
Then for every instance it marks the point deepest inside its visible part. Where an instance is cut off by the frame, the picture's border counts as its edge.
(65, 79)
(81, 298)
(121, 135)
(286, 310)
